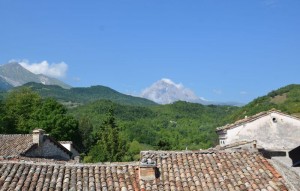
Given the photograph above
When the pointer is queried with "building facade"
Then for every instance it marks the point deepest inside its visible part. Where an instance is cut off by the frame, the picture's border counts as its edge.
(272, 130)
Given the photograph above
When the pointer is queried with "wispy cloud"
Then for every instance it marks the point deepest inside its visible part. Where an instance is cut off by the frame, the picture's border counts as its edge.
(218, 92)
(270, 3)
(56, 70)
(243, 92)
(76, 79)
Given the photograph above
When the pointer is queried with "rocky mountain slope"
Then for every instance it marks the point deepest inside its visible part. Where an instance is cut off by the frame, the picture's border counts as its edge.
(13, 75)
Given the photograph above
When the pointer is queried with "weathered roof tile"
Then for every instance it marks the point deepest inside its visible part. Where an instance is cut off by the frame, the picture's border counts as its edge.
(178, 171)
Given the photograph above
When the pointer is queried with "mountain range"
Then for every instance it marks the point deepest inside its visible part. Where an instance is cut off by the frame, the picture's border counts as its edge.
(164, 91)
(13, 75)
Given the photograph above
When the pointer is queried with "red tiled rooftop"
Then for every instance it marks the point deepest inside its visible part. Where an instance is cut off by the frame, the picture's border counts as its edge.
(183, 170)
(15, 144)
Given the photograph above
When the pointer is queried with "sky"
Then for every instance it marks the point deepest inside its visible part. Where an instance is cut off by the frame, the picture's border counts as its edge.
(233, 50)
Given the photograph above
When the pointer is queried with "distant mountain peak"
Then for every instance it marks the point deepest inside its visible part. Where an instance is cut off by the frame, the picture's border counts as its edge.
(170, 82)
(166, 91)
(13, 74)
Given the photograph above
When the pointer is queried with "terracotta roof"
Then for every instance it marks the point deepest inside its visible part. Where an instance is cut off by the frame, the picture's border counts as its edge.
(252, 118)
(18, 144)
(182, 170)
(33, 176)
(213, 171)
(15, 144)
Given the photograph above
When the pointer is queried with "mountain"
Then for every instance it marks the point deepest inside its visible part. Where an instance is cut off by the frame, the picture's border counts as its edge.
(4, 85)
(165, 91)
(285, 99)
(13, 74)
(77, 96)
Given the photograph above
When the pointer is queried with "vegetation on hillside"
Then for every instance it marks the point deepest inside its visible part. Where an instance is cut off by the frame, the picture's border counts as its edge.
(110, 131)
(79, 96)
(285, 99)
(109, 146)
(179, 125)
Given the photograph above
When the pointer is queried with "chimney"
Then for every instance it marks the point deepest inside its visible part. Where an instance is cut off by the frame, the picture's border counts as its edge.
(37, 136)
(148, 169)
(254, 144)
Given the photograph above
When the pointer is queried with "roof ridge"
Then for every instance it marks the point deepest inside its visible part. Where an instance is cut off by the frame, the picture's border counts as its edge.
(11, 135)
(207, 151)
(67, 163)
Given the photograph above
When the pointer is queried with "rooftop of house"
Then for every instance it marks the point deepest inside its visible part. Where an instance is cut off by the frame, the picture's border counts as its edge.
(290, 174)
(15, 144)
(18, 144)
(177, 170)
(252, 118)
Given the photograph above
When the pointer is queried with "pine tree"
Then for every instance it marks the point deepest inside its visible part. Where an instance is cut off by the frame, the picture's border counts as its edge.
(109, 146)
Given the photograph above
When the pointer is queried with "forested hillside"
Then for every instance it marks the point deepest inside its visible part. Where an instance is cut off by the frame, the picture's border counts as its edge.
(175, 126)
(285, 99)
(78, 96)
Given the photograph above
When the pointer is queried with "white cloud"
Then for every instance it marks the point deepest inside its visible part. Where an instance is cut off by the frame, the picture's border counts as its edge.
(243, 92)
(56, 70)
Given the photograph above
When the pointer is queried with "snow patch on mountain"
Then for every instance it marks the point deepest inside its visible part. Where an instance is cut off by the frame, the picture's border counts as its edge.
(165, 91)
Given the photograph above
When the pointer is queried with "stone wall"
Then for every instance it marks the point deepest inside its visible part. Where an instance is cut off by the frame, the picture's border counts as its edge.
(48, 150)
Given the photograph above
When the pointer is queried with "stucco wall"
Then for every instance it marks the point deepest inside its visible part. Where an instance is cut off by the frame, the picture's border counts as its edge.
(48, 150)
(274, 131)
(70, 147)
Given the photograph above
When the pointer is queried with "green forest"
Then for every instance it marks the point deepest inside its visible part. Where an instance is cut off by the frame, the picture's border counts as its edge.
(110, 130)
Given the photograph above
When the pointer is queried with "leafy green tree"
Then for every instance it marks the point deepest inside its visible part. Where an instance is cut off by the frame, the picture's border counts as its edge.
(24, 110)
(53, 118)
(20, 105)
(133, 152)
(109, 146)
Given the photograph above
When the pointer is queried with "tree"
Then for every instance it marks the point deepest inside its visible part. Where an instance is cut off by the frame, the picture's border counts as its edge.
(4, 125)
(20, 105)
(25, 110)
(53, 118)
(86, 129)
(109, 146)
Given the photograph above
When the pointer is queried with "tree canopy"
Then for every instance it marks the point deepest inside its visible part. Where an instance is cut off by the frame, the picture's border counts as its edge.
(109, 146)
(24, 110)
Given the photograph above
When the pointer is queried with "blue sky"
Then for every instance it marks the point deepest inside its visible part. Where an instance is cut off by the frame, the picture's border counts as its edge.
(233, 50)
